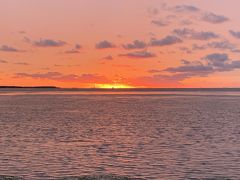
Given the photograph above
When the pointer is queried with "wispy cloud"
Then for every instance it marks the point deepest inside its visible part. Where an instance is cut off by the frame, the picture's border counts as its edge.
(160, 22)
(214, 18)
(169, 40)
(159, 80)
(153, 11)
(209, 64)
(109, 57)
(137, 44)
(104, 45)
(6, 48)
(3, 61)
(186, 8)
(193, 34)
(57, 76)
(185, 49)
(22, 63)
(75, 50)
(139, 55)
(154, 71)
(235, 34)
(78, 46)
(193, 13)
(72, 51)
(49, 43)
(220, 45)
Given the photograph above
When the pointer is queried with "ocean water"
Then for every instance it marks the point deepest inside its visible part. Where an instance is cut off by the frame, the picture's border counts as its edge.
(142, 135)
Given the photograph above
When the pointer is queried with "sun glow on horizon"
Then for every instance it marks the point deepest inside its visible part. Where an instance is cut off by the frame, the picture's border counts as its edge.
(113, 86)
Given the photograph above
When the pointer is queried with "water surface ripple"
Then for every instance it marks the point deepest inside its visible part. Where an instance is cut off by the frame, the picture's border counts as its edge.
(49, 136)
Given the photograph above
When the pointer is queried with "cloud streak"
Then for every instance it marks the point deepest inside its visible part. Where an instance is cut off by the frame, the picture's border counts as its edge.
(186, 8)
(214, 18)
(109, 57)
(220, 45)
(137, 44)
(168, 40)
(3, 61)
(209, 64)
(6, 48)
(104, 45)
(159, 80)
(49, 43)
(160, 23)
(196, 35)
(57, 76)
(139, 55)
(235, 34)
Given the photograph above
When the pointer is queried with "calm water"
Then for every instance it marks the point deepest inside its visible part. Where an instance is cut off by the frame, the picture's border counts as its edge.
(151, 136)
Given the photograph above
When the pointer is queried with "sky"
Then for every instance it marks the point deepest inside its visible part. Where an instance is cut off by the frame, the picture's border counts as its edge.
(127, 43)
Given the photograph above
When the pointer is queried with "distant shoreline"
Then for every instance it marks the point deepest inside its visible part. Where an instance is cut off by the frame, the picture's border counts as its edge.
(29, 87)
(54, 88)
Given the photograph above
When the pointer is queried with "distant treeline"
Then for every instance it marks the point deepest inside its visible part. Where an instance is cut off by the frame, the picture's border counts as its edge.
(47, 87)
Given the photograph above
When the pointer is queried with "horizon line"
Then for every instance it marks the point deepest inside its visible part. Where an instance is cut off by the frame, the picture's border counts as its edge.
(122, 89)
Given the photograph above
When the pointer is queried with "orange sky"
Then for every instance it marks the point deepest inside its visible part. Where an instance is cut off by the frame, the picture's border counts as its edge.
(127, 43)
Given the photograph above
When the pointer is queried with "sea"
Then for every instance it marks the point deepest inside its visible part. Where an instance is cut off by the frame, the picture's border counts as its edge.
(150, 134)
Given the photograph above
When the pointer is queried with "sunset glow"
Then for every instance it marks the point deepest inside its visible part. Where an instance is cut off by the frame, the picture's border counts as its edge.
(156, 43)
(119, 89)
(113, 86)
